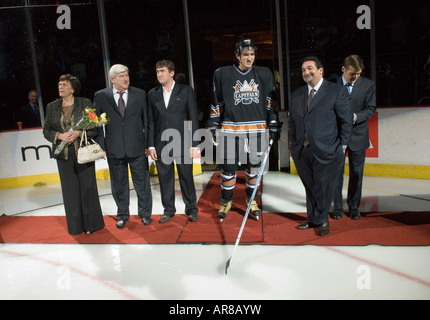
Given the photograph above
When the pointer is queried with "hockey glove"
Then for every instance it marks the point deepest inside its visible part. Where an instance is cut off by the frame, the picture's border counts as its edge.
(275, 130)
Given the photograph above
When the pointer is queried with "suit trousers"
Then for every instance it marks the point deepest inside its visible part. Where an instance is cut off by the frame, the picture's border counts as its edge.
(118, 169)
(166, 177)
(80, 194)
(318, 180)
(356, 161)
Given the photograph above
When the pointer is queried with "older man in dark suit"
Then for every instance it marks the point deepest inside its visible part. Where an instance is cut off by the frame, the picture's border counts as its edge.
(173, 114)
(363, 102)
(125, 143)
(29, 114)
(320, 126)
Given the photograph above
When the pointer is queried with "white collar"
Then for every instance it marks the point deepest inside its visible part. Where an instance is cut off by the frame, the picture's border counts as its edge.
(171, 89)
(317, 86)
(115, 91)
(346, 82)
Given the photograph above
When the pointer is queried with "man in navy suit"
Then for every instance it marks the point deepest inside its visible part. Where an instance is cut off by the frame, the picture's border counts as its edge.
(125, 143)
(320, 126)
(173, 114)
(363, 102)
(29, 114)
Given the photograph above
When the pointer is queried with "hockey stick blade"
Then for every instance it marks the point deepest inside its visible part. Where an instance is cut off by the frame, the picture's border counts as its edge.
(227, 265)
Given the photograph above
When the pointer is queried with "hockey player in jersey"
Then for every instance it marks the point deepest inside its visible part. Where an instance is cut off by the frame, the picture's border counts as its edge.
(242, 116)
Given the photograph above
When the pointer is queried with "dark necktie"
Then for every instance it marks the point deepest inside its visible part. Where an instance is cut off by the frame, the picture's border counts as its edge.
(36, 111)
(311, 97)
(121, 104)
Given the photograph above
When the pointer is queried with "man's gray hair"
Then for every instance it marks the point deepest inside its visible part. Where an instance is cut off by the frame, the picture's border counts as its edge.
(117, 68)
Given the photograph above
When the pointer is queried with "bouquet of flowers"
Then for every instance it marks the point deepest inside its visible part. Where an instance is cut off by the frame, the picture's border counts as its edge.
(88, 121)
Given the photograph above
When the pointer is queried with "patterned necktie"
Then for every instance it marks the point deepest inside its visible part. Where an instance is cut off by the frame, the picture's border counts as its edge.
(349, 87)
(121, 104)
(311, 97)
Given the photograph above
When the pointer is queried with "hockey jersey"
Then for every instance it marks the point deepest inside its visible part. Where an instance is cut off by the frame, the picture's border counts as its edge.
(242, 101)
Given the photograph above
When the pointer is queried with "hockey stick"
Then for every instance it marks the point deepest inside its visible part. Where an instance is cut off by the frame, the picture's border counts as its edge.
(254, 192)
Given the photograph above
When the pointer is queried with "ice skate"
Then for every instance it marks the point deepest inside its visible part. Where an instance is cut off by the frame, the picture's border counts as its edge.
(254, 211)
(224, 209)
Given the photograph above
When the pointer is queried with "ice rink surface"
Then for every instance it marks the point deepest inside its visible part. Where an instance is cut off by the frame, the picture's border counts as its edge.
(197, 271)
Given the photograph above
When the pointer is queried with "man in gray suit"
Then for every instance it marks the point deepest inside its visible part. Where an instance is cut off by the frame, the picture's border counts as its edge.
(320, 126)
(363, 102)
(125, 143)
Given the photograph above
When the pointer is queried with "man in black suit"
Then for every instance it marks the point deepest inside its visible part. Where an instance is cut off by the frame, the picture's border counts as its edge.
(320, 126)
(125, 143)
(173, 106)
(29, 114)
(363, 102)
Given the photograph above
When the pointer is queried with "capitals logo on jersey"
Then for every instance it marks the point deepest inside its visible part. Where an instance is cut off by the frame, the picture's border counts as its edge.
(246, 93)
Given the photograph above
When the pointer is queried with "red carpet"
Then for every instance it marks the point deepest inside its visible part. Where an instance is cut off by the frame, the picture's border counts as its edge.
(54, 230)
(393, 228)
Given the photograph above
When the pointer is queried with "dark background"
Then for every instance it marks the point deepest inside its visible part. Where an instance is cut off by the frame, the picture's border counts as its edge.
(142, 32)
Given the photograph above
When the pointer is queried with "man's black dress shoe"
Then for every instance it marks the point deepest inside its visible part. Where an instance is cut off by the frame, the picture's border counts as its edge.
(165, 218)
(193, 217)
(305, 226)
(337, 214)
(354, 214)
(120, 224)
(146, 220)
(323, 229)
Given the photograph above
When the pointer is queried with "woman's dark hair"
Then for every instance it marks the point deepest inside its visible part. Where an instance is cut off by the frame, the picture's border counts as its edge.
(74, 82)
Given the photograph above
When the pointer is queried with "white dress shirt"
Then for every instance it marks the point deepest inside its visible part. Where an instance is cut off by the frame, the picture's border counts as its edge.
(116, 96)
(167, 94)
(316, 88)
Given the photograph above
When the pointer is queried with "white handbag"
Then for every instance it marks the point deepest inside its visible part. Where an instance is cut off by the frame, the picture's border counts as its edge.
(89, 152)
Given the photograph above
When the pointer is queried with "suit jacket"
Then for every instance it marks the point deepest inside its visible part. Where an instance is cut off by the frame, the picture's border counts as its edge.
(28, 117)
(363, 104)
(182, 107)
(124, 137)
(53, 125)
(327, 122)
